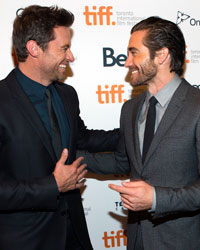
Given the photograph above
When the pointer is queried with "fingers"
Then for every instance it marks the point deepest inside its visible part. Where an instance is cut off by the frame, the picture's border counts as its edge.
(127, 187)
(117, 188)
(81, 168)
(80, 184)
(135, 195)
(69, 177)
(81, 174)
(128, 184)
(135, 183)
(77, 162)
(126, 199)
(63, 156)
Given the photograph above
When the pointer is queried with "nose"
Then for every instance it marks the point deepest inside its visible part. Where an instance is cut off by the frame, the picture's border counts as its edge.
(129, 61)
(69, 55)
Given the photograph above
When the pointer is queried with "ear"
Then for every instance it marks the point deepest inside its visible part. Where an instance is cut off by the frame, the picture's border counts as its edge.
(162, 55)
(33, 48)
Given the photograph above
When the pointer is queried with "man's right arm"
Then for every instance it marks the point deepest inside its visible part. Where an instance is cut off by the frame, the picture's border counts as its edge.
(41, 193)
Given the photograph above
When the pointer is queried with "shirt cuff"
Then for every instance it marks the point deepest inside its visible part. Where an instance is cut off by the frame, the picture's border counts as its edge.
(153, 208)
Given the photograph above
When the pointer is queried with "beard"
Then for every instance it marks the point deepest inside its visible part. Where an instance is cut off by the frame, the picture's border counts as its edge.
(144, 74)
(53, 73)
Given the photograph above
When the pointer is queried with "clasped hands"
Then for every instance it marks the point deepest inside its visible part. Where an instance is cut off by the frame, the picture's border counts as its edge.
(135, 195)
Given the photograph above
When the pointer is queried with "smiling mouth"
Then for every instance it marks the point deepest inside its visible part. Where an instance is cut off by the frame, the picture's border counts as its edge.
(63, 66)
(133, 72)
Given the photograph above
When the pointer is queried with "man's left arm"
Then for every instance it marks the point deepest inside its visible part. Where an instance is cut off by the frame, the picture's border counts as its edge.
(139, 195)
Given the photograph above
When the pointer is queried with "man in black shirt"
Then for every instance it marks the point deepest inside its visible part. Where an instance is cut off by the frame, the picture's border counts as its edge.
(41, 205)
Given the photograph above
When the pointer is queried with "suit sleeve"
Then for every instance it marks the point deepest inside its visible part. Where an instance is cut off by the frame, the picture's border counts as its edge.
(111, 162)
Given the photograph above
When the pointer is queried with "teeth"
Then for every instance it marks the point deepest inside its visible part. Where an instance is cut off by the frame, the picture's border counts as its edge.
(133, 72)
(63, 66)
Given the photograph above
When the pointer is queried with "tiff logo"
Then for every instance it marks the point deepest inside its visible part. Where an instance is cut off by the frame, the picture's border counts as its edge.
(115, 239)
(109, 95)
(101, 15)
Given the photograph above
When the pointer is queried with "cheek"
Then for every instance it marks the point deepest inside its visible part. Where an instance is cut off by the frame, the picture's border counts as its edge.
(61, 57)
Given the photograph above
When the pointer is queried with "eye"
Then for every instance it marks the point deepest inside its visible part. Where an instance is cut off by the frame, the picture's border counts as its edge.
(65, 48)
(133, 52)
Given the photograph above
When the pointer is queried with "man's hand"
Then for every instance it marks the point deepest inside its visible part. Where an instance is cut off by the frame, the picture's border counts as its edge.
(68, 177)
(135, 195)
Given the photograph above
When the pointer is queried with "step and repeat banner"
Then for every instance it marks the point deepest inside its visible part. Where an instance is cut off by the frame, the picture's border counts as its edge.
(100, 38)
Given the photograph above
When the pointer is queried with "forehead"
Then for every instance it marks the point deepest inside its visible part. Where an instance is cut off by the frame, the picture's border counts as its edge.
(136, 39)
(62, 32)
(62, 36)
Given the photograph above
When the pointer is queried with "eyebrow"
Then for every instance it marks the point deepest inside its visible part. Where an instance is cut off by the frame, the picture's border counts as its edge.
(65, 46)
(133, 49)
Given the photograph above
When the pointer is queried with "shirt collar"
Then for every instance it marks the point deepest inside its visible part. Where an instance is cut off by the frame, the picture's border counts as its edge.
(31, 88)
(166, 93)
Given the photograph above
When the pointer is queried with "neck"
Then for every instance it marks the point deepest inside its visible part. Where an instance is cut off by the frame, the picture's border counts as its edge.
(33, 73)
(160, 82)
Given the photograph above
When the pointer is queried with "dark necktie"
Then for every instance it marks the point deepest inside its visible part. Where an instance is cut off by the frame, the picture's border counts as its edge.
(55, 131)
(149, 127)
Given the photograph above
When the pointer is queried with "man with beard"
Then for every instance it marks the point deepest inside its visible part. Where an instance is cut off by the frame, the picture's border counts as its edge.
(163, 195)
(40, 206)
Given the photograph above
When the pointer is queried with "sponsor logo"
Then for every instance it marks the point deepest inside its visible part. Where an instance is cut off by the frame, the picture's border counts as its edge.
(115, 239)
(110, 94)
(110, 60)
(182, 17)
(118, 205)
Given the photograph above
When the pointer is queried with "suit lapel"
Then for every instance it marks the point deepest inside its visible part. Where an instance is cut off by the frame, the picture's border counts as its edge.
(173, 109)
(29, 113)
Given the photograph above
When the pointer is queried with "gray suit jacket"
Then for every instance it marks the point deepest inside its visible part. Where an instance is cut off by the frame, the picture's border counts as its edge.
(171, 166)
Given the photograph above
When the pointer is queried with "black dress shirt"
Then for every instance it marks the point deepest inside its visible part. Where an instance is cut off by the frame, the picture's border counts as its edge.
(36, 93)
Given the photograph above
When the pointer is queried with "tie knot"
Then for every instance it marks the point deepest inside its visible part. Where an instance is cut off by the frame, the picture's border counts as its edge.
(153, 101)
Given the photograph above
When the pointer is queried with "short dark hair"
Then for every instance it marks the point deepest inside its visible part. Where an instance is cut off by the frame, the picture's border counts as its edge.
(37, 23)
(163, 33)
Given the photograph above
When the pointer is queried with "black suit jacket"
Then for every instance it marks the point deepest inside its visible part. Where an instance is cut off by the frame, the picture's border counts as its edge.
(32, 213)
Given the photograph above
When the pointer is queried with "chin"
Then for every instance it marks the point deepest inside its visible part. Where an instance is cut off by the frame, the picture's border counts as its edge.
(61, 77)
(135, 84)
